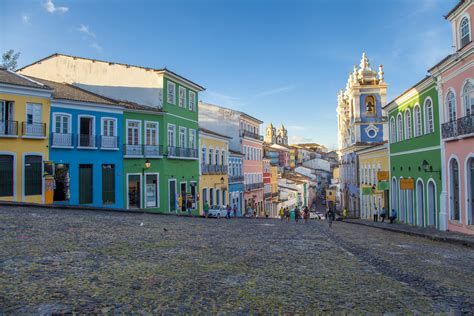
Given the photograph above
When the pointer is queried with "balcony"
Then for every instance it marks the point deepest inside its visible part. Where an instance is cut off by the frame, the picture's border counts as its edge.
(153, 151)
(253, 186)
(213, 169)
(33, 130)
(459, 127)
(109, 142)
(86, 141)
(245, 133)
(139, 151)
(236, 178)
(61, 140)
(180, 153)
(267, 195)
(8, 128)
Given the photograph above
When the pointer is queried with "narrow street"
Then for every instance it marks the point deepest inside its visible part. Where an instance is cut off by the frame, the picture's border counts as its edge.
(60, 261)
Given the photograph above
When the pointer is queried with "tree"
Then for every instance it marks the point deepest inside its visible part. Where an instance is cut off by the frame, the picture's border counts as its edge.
(10, 59)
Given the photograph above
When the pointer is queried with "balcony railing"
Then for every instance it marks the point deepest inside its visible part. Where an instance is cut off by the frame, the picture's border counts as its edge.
(251, 134)
(253, 186)
(459, 127)
(153, 150)
(213, 169)
(180, 152)
(267, 195)
(8, 128)
(86, 140)
(150, 151)
(33, 129)
(61, 140)
(236, 178)
(109, 142)
(133, 150)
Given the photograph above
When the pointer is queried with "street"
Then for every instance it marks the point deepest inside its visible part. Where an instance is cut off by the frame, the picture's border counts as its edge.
(61, 261)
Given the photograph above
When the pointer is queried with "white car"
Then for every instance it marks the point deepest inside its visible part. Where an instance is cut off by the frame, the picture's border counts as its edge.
(217, 212)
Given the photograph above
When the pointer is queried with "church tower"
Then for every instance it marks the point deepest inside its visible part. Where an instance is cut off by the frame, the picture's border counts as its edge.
(270, 134)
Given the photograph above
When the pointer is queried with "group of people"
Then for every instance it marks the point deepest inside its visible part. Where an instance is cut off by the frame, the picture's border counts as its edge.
(285, 213)
(382, 215)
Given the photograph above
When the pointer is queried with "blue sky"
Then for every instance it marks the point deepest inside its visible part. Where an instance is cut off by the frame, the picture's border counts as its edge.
(280, 61)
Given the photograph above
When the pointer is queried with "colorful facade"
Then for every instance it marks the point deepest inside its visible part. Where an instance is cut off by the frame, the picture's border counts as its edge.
(455, 84)
(274, 191)
(267, 187)
(24, 131)
(213, 179)
(373, 180)
(415, 155)
(236, 181)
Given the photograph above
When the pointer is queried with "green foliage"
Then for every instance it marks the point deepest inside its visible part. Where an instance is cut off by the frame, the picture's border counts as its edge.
(10, 59)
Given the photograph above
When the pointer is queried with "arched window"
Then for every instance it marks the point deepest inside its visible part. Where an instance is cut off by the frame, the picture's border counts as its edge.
(451, 106)
(454, 189)
(210, 155)
(370, 105)
(429, 124)
(468, 98)
(407, 124)
(465, 32)
(393, 131)
(417, 120)
(399, 128)
(223, 158)
(217, 156)
(203, 155)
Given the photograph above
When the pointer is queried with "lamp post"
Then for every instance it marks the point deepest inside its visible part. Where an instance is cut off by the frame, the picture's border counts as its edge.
(425, 165)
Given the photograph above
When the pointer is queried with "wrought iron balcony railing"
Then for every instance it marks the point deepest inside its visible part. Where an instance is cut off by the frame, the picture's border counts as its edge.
(8, 128)
(180, 152)
(133, 150)
(108, 142)
(33, 129)
(61, 140)
(139, 150)
(153, 151)
(459, 127)
(213, 169)
(236, 178)
(86, 141)
(253, 186)
(251, 134)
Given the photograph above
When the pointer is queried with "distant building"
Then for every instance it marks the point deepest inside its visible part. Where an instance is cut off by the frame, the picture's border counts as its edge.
(272, 136)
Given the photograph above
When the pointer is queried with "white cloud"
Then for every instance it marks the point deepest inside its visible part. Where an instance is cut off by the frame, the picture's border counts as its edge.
(296, 139)
(85, 30)
(97, 47)
(52, 8)
(274, 91)
(25, 19)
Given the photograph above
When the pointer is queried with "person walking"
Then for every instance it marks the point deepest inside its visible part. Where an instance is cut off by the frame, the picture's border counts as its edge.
(189, 206)
(344, 213)
(288, 215)
(228, 209)
(205, 207)
(376, 214)
(297, 214)
(282, 213)
(382, 214)
(235, 210)
(306, 214)
(330, 216)
(393, 216)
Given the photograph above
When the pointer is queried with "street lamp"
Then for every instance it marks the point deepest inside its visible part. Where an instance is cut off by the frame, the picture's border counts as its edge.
(425, 165)
(147, 164)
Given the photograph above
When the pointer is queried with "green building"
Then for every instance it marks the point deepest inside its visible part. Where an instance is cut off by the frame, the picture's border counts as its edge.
(415, 155)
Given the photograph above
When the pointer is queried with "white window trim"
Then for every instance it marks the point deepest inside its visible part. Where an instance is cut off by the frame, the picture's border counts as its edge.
(10, 153)
(447, 106)
(157, 124)
(53, 126)
(463, 95)
(193, 131)
(426, 117)
(393, 134)
(23, 196)
(93, 129)
(180, 88)
(417, 130)
(459, 32)
(176, 190)
(139, 131)
(26, 111)
(167, 137)
(141, 193)
(157, 174)
(170, 83)
(400, 133)
(181, 128)
(408, 127)
(102, 119)
(192, 106)
(451, 190)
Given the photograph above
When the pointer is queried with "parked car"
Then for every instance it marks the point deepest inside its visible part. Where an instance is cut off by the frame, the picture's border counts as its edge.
(217, 212)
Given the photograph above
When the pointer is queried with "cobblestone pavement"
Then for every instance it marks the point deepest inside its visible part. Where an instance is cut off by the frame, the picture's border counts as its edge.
(61, 261)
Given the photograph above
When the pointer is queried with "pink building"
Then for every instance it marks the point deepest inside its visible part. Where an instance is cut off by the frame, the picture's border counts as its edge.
(252, 148)
(455, 78)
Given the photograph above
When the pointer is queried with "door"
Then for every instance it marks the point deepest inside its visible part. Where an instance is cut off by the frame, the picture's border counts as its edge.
(172, 195)
(61, 177)
(85, 131)
(183, 196)
(420, 203)
(7, 125)
(6, 175)
(151, 190)
(133, 191)
(85, 184)
(34, 127)
(108, 184)
(431, 204)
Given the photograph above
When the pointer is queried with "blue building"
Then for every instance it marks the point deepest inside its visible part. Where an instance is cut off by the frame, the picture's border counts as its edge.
(85, 147)
(361, 123)
(236, 180)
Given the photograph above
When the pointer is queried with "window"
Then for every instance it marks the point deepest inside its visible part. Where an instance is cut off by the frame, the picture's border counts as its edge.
(108, 138)
(133, 132)
(417, 119)
(451, 106)
(151, 133)
(171, 135)
(223, 158)
(34, 126)
(465, 36)
(429, 125)
(407, 124)
(62, 123)
(192, 138)
(393, 130)
(468, 98)
(217, 156)
(210, 155)
(399, 128)
(108, 184)
(182, 97)
(203, 154)
(192, 101)
(182, 137)
(33, 175)
(6, 175)
(370, 105)
(171, 97)
(108, 127)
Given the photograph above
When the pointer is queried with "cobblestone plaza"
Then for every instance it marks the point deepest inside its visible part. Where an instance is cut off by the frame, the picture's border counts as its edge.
(62, 261)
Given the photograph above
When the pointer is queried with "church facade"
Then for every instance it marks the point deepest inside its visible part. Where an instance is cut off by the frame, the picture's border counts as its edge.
(272, 136)
(361, 123)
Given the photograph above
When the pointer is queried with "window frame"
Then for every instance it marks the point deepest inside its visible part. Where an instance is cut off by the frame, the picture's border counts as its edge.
(156, 128)
(400, 131)
(61, 114)
(168, 92)
(465, 95)
(102, 123)
(417, 120)
(467, 26)
(408, 124)
(450, 112)
(429, 124)
(168, 135)
(185, 130)
(139, 131)
(183, 90)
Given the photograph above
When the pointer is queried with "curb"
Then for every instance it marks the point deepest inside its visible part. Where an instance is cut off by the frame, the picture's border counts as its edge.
(450, 240)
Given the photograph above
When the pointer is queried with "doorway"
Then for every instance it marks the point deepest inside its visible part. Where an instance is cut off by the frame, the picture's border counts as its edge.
(431, 204)
(420, 203)
(172, 195)
(86, 138)
(133, 190)
(85, 184)
(182, 191)
(62, 180)
(151, 190)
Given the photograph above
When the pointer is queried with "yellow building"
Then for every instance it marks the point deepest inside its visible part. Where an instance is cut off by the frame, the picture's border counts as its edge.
(275, 192)
(331, 195)
(24, 123)
(335, 175)
(293, 151)
(213, 175)
(373, 178)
